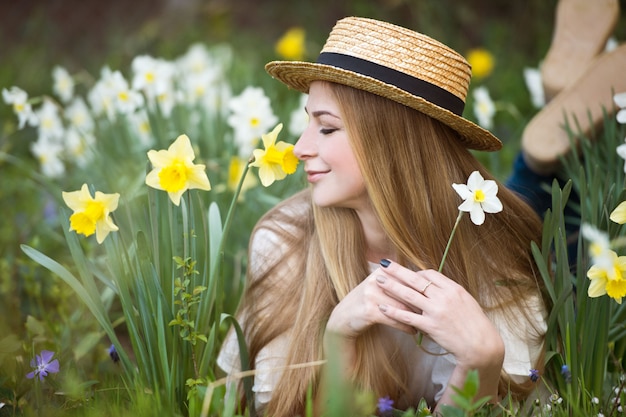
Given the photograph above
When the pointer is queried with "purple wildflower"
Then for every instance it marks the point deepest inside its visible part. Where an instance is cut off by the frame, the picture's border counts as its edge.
(43, 366)
(385, 404)
(567, 375)
(534, 375)
(115, 357)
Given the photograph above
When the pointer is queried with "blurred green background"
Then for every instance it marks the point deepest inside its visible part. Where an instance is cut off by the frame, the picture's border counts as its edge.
(83, 36)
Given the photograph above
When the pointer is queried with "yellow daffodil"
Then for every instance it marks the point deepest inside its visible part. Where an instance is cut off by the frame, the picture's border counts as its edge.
(481, 61)
(91, 214)
(480, 197)
(619, 214)
(292, 44)
(610, 281)
(276, 161)
(174, 171)
(235, 171)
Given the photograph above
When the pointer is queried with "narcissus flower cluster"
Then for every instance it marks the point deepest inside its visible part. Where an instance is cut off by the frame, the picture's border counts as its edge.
(174, 171)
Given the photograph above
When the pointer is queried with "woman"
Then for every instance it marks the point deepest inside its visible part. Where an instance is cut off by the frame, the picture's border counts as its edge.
(353, 259)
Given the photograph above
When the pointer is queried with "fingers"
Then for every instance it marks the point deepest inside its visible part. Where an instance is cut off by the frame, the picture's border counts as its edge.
(417, 280)
(407, 319)
(360, 309)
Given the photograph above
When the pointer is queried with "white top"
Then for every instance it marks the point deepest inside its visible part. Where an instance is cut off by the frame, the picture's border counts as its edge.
(430, 373)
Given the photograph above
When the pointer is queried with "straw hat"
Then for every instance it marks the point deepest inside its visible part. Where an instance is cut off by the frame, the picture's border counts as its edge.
(397, 63)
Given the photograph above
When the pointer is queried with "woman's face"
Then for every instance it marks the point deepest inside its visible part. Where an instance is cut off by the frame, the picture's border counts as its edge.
(329, 162)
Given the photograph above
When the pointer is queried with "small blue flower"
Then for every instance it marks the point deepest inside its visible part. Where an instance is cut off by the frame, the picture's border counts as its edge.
(385, 404)
(534, 375)
(567, 375)
(115, 357)
(43, 366)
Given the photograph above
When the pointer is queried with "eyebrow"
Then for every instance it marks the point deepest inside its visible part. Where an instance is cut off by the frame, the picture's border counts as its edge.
(320, 113)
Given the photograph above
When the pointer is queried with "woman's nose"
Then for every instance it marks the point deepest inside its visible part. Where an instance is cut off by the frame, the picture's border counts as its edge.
(305, 146)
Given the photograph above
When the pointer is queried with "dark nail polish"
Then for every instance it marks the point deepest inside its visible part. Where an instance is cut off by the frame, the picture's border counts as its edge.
(385, 263)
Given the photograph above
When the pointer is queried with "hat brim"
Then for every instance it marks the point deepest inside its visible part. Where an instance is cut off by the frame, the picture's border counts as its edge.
(299, 76)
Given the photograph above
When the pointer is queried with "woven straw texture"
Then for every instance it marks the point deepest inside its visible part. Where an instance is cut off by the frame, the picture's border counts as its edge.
(400, 49)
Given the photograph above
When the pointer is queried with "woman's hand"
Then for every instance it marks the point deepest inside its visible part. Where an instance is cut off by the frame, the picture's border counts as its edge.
(359, 310)
(452, 318)
(445, 311)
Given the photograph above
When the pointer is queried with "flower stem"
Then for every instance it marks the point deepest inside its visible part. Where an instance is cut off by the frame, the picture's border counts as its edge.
(445, 253)
(231, 209)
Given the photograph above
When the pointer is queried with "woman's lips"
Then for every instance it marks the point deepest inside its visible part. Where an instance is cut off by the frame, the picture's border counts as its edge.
(315, 176)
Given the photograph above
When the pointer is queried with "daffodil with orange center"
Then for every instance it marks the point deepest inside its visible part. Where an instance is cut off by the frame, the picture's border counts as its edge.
(91, 214)
(174, 171)
(276, 161)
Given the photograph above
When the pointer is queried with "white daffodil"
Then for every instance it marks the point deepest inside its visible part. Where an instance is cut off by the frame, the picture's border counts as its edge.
(620, 100)
(532, 78)
(79, 146)
(18, 98)
(480, 197)
(599, 245)
(299, 118)
(196, 85)
(484, 109)
(140, 124)
(251, 116)
(125, 99)
(50, 123)
(611, 44)
(63, 84)
(196, 60)
(153, 76)
(48, 153)
(78, 116)
(101, 95)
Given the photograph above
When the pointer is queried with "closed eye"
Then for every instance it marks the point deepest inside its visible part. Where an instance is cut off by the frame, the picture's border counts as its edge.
(327, 131)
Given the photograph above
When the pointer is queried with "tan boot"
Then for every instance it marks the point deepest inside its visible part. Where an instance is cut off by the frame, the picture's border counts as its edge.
(581, 30)
(545, 138)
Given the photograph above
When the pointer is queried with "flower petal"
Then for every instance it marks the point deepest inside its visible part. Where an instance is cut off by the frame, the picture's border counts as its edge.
(266, 175)
(160, 159)
(53, 367)
(198, 179)
(492, 205)
(110, 201)
(620, 99)
(45, 356)
(153, 180)
(468, 205)
(475, 181)
(490, 188)
(77, 200)
(477, 215)
(462, 191)
(618, 215)
(181, 148)
(597, 287)
(176, 195)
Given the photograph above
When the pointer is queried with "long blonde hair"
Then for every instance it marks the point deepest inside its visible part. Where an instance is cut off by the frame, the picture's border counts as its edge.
(408, 161)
